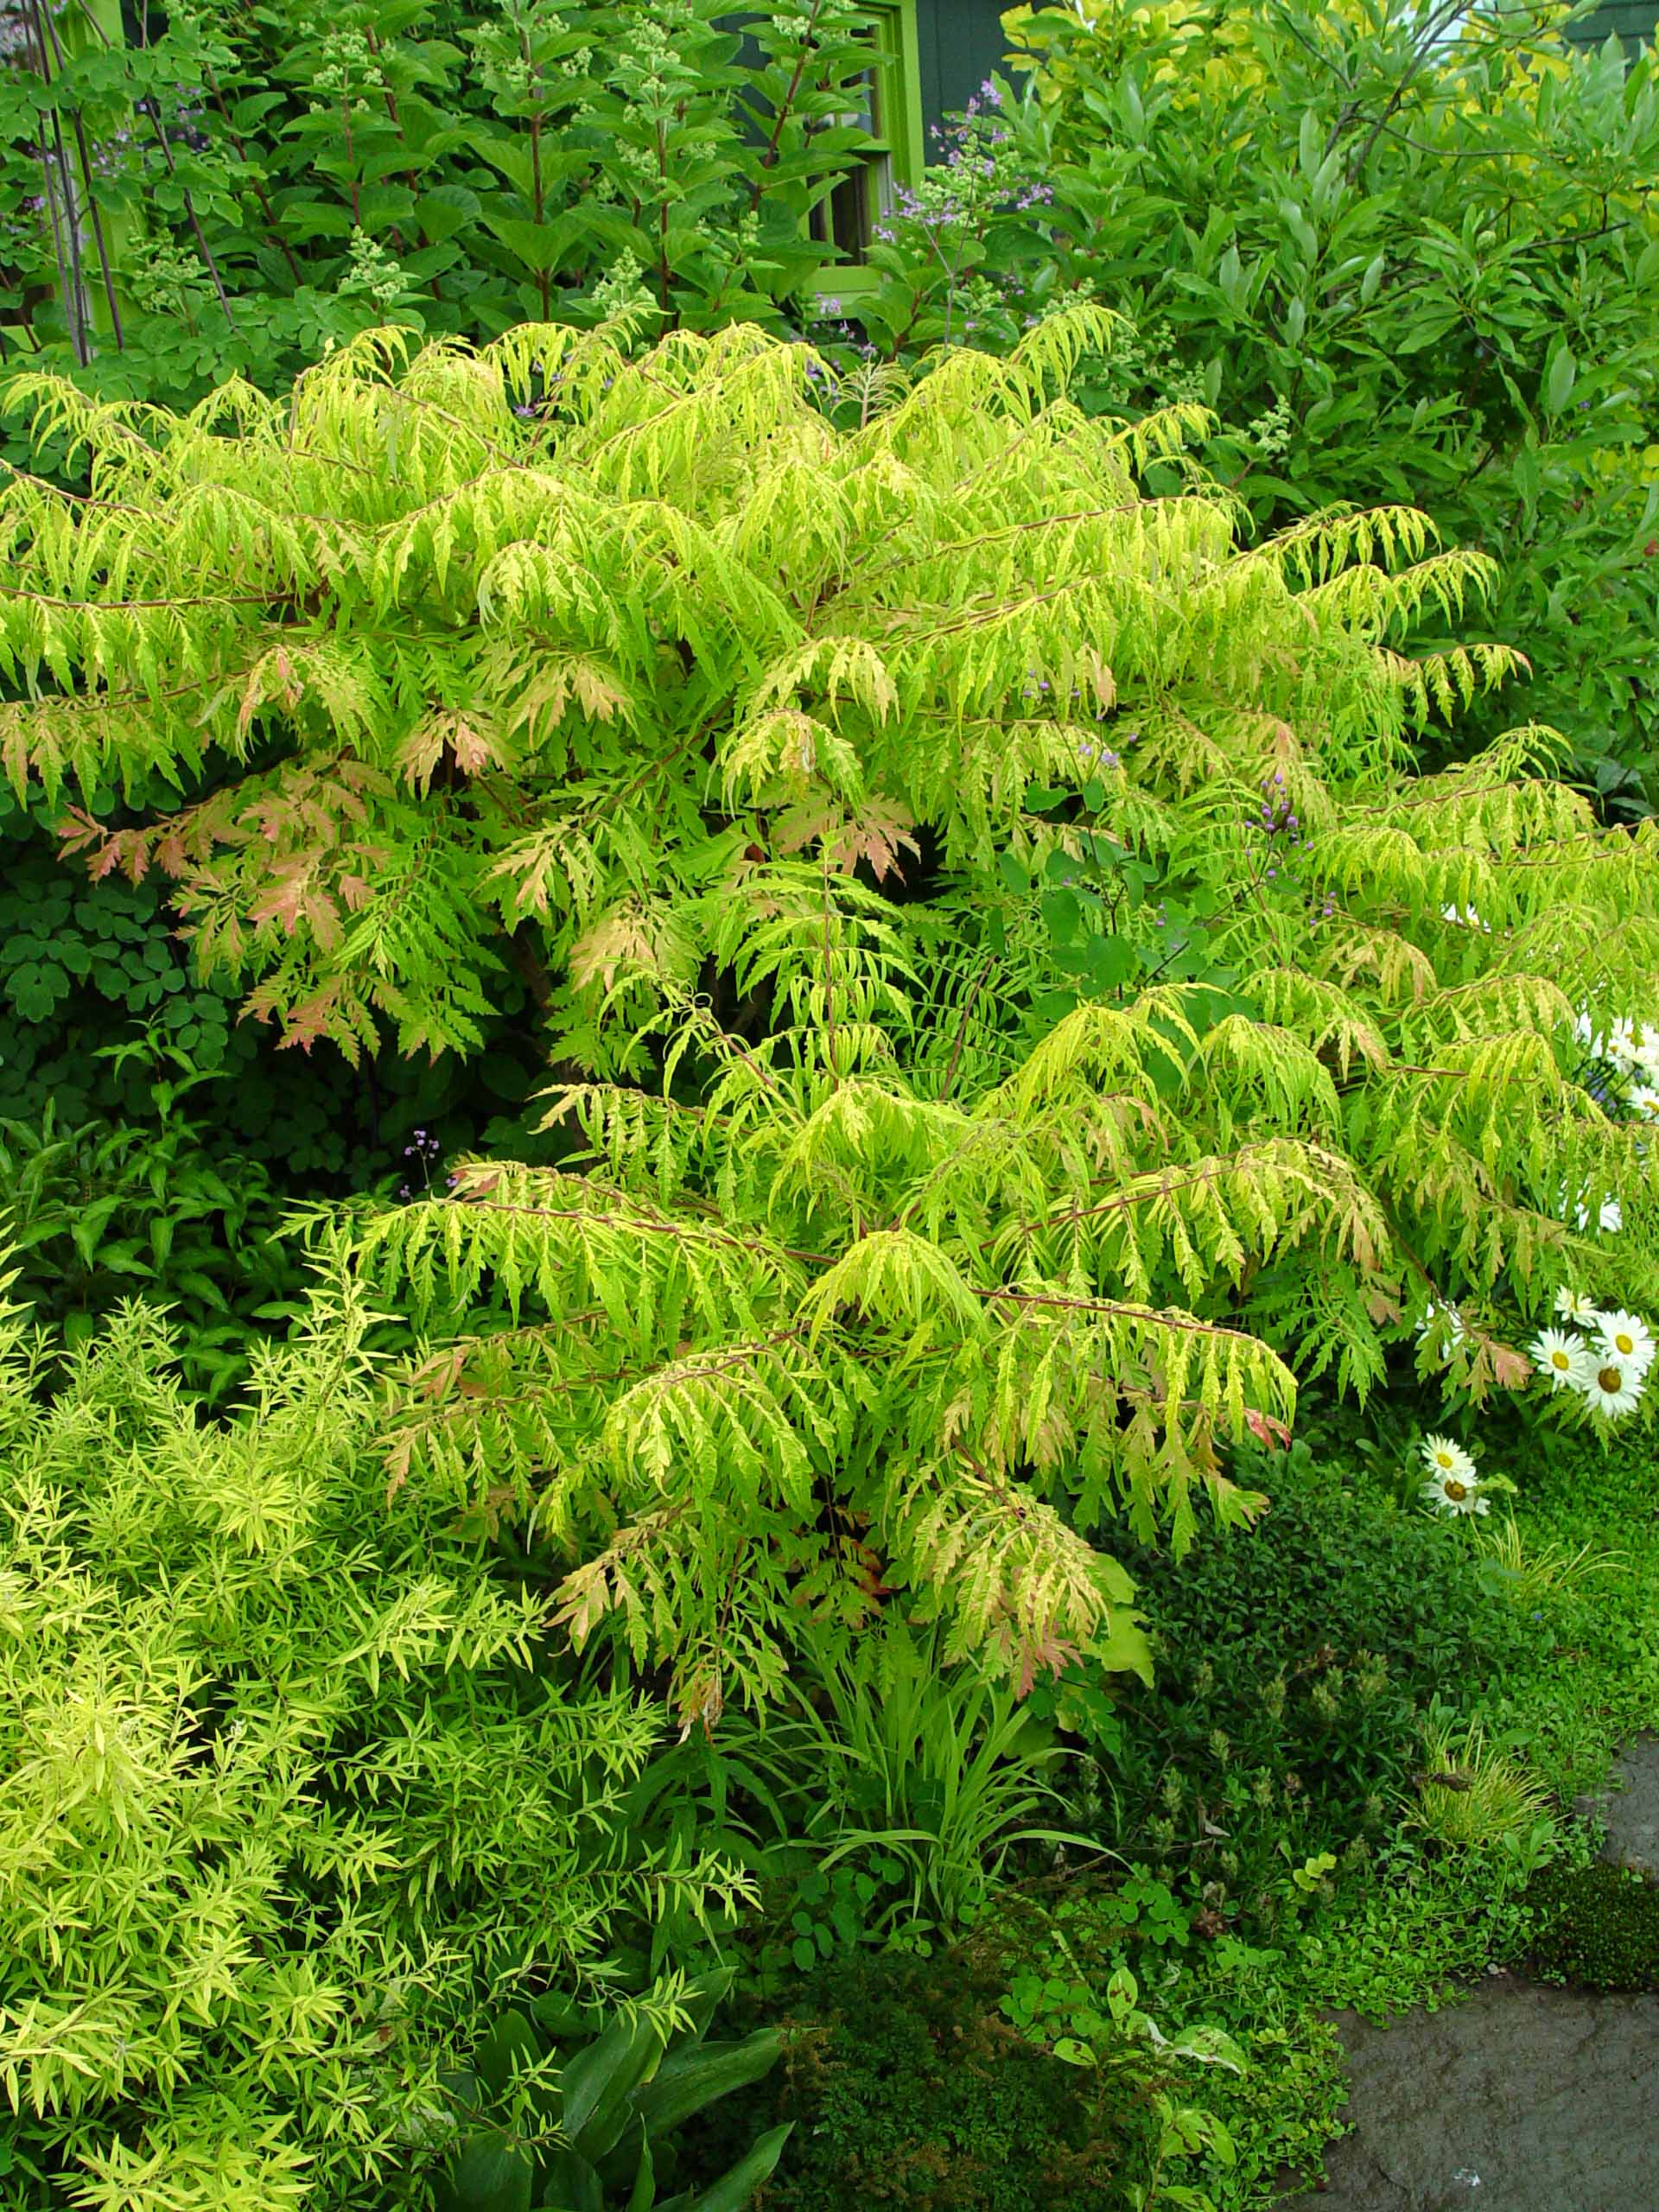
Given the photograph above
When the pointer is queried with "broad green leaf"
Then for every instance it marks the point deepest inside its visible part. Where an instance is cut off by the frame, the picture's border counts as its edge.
(570, 2183)
(1208, 2046)
(643, 2196)
(687, 2081)
(599, 2082)
(735, 2189)
(509, 2046)
(1559, 377)
(445, 209)
(494, 2173)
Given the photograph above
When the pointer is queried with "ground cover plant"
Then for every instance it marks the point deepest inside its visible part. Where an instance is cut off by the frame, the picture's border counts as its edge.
(914, 2088)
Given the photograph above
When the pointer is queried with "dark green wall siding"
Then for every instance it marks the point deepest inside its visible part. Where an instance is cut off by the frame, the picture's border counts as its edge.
(961, 43)
(1633, 20)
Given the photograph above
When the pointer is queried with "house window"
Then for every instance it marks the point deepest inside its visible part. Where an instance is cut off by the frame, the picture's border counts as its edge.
(889, 106)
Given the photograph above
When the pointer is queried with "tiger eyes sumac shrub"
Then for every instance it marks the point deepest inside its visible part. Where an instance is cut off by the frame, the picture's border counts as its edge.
(874, 1259)
(1384, 265)
(240, 188)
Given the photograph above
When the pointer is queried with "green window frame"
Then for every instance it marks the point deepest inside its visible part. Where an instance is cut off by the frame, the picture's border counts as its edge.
(846, 216)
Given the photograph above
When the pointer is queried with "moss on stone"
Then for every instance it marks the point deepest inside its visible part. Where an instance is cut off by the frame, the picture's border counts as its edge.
(1597, 1925)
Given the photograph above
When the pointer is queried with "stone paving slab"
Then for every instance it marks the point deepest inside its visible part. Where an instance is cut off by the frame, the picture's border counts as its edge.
(1629, 1805)
(1518, 2098)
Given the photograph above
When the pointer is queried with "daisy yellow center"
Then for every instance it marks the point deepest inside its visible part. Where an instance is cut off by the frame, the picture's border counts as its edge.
(1445, 1461)
(1627, 1344)
(1611, 1380)
(1560, 1360)
(1456, 1490)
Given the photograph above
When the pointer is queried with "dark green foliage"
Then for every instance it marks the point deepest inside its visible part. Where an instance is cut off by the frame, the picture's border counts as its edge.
(254, 183)
(85, 965)
(96, 1214)
(1402, 256)
(1297, 1661)
(566, 2107)
(150, 1141)
(1597, 1924)
(909, 2088)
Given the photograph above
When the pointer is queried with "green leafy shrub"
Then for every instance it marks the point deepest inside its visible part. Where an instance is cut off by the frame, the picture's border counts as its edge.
(291, 1795)
(907, 2085)
(586, 2121)
(954, 1219)
(1597, 1924)
(96, 1214)
(1297, 1669)
(1403, 257)
(243, 186)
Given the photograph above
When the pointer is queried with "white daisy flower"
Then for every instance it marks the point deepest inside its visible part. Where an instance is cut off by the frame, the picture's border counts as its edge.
(1626, 1338)
(1615, 1388)
(1455, 1494)
(1643, 1101)
(1620, 1048)
(1575, 1305)
(1564, 1358)
(1610, 1217)
(1647, 1054)
(1442, 1457)
(1433, 1313)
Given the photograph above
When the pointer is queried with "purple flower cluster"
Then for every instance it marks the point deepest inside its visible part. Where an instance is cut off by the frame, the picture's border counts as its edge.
(423, 1150)
(1279, 825)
